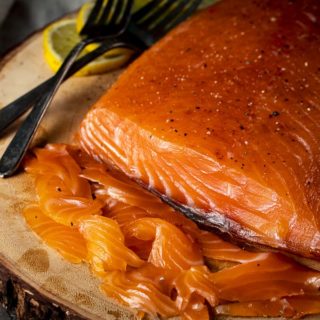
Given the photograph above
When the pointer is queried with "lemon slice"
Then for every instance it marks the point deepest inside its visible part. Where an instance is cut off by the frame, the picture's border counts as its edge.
(60, 37)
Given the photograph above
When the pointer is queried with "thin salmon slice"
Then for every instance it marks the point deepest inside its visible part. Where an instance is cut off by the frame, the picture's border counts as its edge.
(221, 118)
(273, 276)
(171, 248)
(66, 240)
(106, 245)
(292, 307)
(141, 295)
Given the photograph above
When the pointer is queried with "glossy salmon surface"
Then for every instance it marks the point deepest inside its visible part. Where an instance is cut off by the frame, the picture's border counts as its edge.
(222, 119)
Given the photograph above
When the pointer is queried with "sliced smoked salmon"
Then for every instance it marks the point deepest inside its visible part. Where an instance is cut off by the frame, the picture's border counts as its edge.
(63, 194)
(141, 295)
(106, 247)
(273, 276)
(171, 248)
(222, 119)
(194, 282)
(67, 241)
(292, 307)
(150, 257)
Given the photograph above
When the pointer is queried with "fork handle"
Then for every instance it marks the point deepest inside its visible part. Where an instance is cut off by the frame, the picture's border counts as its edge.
(17, 148)
(12, 157)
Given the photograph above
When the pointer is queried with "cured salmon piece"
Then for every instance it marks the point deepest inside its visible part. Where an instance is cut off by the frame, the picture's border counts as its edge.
(150, 257)
(55, 160)
(213, 247)
(66, 240)
(155, 286)
(274, 276)
(196, 310)
(106, 247)
(64, 195)
(292, 307)
(171, 248)
(194, 282)
(141, 295)
(125, 191)
(221, 118)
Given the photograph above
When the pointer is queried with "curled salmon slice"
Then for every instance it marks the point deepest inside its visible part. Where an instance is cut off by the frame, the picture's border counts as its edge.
(171, 248)
(68, 210)
(55, 160)
(106, 245)
(194, 282)
(63, 194)
(141, 295)
(67, 241)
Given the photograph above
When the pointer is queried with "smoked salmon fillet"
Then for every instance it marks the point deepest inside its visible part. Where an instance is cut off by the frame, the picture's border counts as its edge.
(221, 118)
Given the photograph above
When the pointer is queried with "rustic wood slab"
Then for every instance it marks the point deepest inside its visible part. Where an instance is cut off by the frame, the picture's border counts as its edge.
(35, 281)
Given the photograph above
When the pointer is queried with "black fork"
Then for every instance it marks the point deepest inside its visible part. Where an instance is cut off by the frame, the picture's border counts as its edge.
(111, 19)
(147, 26)
(157, 20)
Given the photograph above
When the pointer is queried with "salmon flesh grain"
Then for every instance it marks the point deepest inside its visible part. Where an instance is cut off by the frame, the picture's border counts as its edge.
(221, 118)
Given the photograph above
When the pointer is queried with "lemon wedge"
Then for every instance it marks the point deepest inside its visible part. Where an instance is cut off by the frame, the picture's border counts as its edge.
(60, 37)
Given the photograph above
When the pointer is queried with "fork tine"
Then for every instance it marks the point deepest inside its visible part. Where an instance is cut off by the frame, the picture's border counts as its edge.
(92, 17)
(127, 11)
(174, 17)
(188, 12)
(116, 12)
(140, 14)
(106, 12)
(156, 14)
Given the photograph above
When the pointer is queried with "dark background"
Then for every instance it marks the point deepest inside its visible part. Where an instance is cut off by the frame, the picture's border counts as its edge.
(20, 18)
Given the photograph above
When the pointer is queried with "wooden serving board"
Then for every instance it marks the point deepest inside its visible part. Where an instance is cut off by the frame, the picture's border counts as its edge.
(35, 281)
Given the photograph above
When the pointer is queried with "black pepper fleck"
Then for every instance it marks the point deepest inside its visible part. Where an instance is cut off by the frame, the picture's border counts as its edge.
(274, 114)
